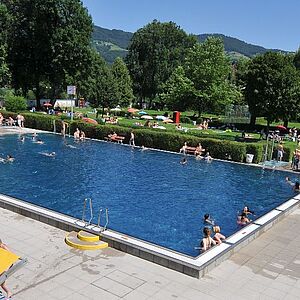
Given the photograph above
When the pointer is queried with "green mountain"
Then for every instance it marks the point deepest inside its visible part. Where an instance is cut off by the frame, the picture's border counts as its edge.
(113, 43)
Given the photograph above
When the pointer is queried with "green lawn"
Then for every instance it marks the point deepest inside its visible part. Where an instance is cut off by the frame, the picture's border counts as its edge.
(192, 130)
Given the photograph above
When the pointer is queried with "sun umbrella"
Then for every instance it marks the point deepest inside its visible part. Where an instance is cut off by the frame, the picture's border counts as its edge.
(168, 121)
(132, 110)
(90, 121)
(146, 117)
(47, 104)
(161, 118)
(142, 112)
(281, 127)
(116, 109)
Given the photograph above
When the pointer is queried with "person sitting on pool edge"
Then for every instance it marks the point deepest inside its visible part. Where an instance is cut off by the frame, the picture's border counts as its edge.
(207, 242)
(218, 237)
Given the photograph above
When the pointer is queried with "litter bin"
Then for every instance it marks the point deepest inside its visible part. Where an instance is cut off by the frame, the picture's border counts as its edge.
(249, 158)
(176, 116)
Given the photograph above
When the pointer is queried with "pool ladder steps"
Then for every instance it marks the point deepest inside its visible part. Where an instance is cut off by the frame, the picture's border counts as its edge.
(83, 240)
(88, 202)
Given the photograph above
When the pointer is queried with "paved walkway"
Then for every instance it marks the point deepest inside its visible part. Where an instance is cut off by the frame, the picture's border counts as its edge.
(268, 268)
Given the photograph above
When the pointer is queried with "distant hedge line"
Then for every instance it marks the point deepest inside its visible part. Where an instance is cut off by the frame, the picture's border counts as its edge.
(222, 149)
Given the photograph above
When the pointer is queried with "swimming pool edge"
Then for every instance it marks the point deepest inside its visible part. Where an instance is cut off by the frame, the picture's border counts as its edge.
(192, 266)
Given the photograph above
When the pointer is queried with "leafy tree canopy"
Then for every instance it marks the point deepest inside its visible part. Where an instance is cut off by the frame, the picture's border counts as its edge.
(155, 51)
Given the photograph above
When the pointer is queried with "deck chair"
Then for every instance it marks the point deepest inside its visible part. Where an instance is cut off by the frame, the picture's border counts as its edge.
(9, 264)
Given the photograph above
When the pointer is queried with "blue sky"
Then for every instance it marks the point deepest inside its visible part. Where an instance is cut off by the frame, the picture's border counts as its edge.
(268, 23)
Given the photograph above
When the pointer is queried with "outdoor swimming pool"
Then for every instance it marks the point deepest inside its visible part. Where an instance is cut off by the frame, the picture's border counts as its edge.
(149, 194)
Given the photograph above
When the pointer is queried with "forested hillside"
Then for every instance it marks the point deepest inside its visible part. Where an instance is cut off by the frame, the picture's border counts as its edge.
(113, 43)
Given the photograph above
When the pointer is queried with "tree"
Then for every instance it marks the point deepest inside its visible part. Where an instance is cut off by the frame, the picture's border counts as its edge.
(177, 91)
(208, 68)
(123, 83)
(297, 60)
(4, 25)
(102, 84)
(49, 41)
(15, 103)
(155, 51)
(272, 88)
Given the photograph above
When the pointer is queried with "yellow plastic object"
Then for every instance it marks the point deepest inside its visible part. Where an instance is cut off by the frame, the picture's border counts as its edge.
(73, 241)
(6, 259)
(87, 237)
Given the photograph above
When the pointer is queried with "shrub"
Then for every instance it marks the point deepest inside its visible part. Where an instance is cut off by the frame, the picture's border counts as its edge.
(186, 120)
(15, 103)
(171, 141)
(257, 150)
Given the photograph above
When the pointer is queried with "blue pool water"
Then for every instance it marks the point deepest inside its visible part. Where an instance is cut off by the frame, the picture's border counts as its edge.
(149, 194)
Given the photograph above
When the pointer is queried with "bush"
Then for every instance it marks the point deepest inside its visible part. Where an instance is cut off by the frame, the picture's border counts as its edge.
(171, 141)
(15, 103)
(257, 150)
(186, 120)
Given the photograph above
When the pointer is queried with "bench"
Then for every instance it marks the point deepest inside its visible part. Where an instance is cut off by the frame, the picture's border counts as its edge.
(190, 149)
(117, 138)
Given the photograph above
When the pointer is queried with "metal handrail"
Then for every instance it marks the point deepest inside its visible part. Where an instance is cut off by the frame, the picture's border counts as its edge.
(99, 217)
(84, 208)
(54, 126)
(106, 214)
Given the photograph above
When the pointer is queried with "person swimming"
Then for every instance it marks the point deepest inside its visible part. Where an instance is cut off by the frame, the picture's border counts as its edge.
(183, 161)
(207, 220)
(49, 154)
(39, 141)
(9, 158)
(296, 185)
(243, 219)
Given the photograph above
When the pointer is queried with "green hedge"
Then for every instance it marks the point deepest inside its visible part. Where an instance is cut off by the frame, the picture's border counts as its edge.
(159, 139)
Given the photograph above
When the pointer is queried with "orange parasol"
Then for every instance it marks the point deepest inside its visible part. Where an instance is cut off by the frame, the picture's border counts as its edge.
(132, 110)
(90, 121)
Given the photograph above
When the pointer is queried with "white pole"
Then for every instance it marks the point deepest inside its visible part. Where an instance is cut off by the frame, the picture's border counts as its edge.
(71, 109)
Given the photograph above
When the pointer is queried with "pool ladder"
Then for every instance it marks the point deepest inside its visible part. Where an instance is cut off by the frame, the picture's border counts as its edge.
(88, 202)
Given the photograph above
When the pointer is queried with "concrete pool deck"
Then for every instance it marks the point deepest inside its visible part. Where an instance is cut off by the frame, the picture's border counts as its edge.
(267, 268)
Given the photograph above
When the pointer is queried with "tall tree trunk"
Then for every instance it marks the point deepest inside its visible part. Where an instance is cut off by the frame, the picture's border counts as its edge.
(252, 120)
(38, 95)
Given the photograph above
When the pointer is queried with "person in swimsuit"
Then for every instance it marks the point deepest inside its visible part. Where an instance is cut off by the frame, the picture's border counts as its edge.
(207, 242)
(218, 237)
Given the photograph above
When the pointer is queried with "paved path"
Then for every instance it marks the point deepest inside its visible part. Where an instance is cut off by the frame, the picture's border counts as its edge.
(268, 268)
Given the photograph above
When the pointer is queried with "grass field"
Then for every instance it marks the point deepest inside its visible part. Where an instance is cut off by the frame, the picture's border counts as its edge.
(191, 129)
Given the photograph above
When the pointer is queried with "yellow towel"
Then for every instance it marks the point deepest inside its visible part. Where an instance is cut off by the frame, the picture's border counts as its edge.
(6, 259)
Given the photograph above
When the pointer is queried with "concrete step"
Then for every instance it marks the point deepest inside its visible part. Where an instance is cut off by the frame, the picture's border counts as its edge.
(87, 237)
(73, 241)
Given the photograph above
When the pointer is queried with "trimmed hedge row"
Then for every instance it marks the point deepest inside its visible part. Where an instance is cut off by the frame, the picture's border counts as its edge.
(222, 149)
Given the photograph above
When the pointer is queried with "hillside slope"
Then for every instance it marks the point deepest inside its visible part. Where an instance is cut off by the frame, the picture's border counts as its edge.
(113, 43)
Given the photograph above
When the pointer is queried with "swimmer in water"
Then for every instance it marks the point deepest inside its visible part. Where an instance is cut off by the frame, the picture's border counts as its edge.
(39, 142)
(51, 154)
(183, 161)
(143, 148)
(207, 220)
(9, 158)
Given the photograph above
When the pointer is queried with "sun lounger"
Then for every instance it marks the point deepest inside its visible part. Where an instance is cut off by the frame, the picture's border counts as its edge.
(9, 264)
